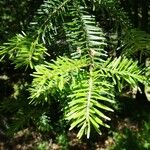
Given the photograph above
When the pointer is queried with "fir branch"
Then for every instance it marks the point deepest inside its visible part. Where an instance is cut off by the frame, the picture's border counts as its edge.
(23, 52)
(53, 75)
(121, 69)
(55, 11)
(136, 41)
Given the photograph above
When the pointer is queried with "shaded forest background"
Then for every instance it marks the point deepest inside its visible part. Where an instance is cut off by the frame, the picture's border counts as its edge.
(29, 121)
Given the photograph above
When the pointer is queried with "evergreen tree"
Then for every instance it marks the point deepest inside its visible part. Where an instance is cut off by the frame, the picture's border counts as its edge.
(80, 55)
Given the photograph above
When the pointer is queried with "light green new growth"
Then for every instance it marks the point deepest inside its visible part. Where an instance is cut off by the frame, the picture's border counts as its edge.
(85, 77)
